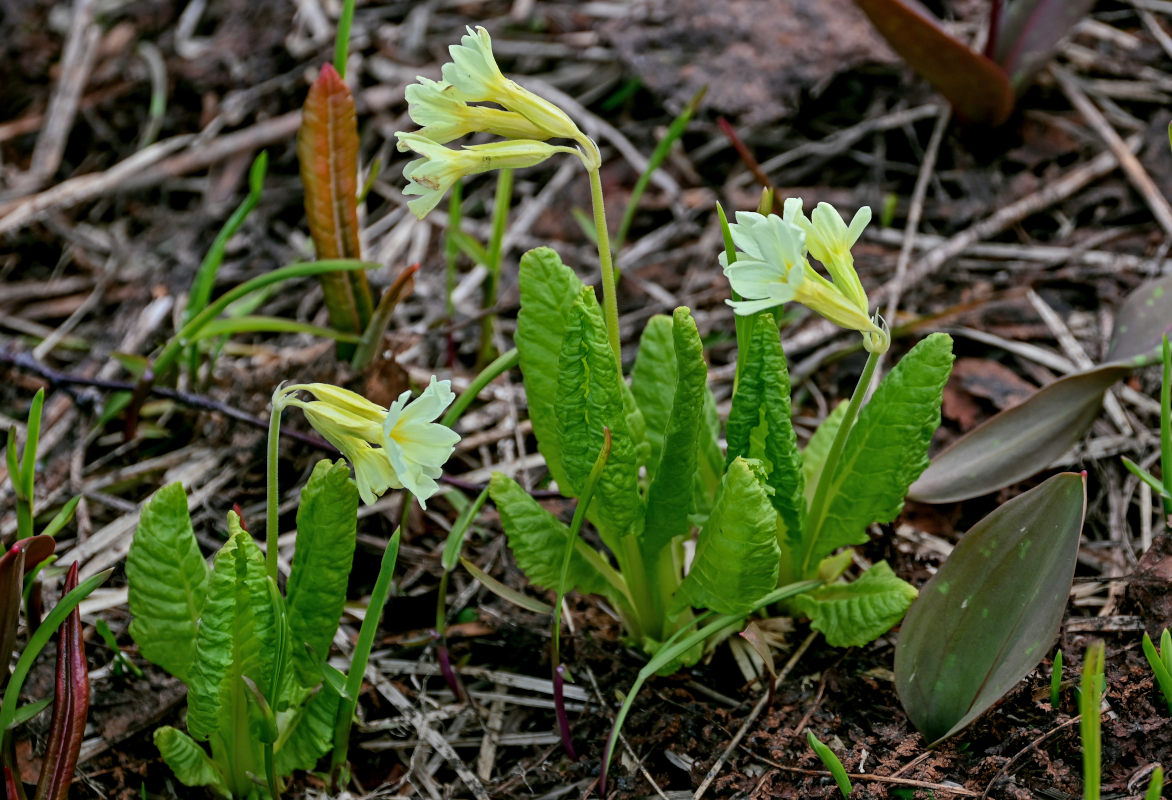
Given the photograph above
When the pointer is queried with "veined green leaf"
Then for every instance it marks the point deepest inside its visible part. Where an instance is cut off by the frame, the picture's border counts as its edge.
(761, 412)
(853, 614)
(653, 380)
(669, 498)
(190, 763)
(548, 291)
(237, 636)
(968, 638)
(307, 731)
(590, 398)
(737, 553)
(816, 450)
(885, 452)
(711, 459)
(167, 582)
(316, 591)
(538, 538)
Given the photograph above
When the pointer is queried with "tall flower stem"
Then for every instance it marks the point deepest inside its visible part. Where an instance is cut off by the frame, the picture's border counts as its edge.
(610, 303)
(271, 493)
(822, 493)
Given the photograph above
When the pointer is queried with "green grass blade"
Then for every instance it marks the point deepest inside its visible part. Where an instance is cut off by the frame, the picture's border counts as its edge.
(1089, 700)
(674, 131)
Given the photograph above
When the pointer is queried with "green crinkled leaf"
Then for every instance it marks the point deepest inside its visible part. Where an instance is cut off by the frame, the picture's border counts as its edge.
(167, 582)
(816, 450)
(316, 590)
(590, 398)
(669, 498)
(853, 614)
(761, 412)
(307, 732)
(548, 290)
(190, 762)
(237, 636)
(885, 452)
(538, 539)
(710, 466)
(737, 553)
(653, 380)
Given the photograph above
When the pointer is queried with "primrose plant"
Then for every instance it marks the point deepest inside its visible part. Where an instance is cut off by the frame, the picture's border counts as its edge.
(260, 692)
(644, 458)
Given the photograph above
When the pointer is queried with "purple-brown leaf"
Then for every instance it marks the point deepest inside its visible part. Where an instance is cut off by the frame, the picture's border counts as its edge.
(70, 706)
(1143, 320)
(1029, 33)
(989, 614)
(1018, 442)
(975, 86)
(327, 147)
(20, 558)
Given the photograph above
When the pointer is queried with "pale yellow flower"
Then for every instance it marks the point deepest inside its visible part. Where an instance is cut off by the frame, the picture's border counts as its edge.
(435, 173)
(441, 111)
(395, 448)
(473, 71)
(830, 241)
(771, 269)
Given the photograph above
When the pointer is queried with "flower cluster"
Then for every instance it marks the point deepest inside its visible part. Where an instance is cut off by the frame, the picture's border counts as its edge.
(771, 267)
(389, 448)
(445, 111)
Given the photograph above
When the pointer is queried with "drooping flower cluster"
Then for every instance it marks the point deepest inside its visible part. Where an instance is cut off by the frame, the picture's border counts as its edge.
(445, 111)
(771, 267)
(389, 448)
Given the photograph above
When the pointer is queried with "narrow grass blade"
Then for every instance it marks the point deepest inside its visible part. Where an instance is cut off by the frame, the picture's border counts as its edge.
(674, 131)
(1090, 698)
(506, 593)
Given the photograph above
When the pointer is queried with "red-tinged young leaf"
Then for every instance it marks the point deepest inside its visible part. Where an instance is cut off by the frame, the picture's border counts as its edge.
(70, 706)
(990, 613)
(1029, 33)
(975, 86)
(327, 147)
(1020, 441)
(1143, 321)
(10, 784)
(14, 565)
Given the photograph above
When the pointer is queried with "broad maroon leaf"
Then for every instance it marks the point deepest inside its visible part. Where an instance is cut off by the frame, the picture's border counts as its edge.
(70, 706)
(1143, 321)
(975, 86)
(20, 558)
(1018, 442)
(989, 614)
(1029, 33)
(327, 147)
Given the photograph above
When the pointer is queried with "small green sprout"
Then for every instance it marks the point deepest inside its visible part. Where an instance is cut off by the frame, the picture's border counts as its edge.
(832, 763)
(1161, 663)
(1056, 680)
